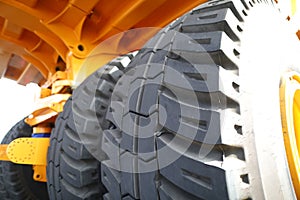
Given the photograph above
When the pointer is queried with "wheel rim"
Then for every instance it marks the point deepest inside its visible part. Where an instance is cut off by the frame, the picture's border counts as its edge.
(290, 115)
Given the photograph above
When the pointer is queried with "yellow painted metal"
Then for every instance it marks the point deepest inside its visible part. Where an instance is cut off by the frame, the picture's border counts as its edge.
(47, 108)
(118, 44)
(52, 100)
(3, 155)
(40, 116)
(58, 86)
(29, 151)
(47, 31)
(59, 75)
(290, 115)
(42, 130)
(40, 173)
(32, 151)
(45, 92)
(296, 111)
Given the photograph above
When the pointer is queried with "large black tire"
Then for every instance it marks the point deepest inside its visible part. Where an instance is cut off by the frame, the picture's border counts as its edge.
(16, 181)
(195, 116)
(73, 169)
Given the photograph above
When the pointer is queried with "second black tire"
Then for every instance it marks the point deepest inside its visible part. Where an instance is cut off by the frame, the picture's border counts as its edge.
(73, 170)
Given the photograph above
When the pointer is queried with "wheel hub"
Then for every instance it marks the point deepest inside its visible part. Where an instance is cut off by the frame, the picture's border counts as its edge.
(290, 115)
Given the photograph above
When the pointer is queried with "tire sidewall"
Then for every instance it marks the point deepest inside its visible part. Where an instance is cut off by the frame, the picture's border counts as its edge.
(266, 55)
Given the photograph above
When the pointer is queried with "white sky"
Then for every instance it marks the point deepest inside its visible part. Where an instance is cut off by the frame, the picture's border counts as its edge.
(16, 102)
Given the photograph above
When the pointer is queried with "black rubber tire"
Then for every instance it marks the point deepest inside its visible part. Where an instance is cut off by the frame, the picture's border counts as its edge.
(182, 98)
(73, 171)
(16, 181)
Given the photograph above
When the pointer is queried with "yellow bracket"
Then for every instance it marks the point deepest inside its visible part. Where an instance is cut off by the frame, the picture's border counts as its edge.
(40, 173)
(3, 155)
(29, 151)
(57, 82)
(45, 92)
(47, 108)
(57, 86)
(59, 75)
(42, 129)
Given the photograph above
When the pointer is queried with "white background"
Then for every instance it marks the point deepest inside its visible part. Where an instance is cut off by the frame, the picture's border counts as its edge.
(16, 102)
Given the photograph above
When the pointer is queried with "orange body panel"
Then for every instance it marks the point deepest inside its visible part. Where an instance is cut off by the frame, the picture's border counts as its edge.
(47, 34)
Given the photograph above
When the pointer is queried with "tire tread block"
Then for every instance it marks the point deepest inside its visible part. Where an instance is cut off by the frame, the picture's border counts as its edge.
(197, 178)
